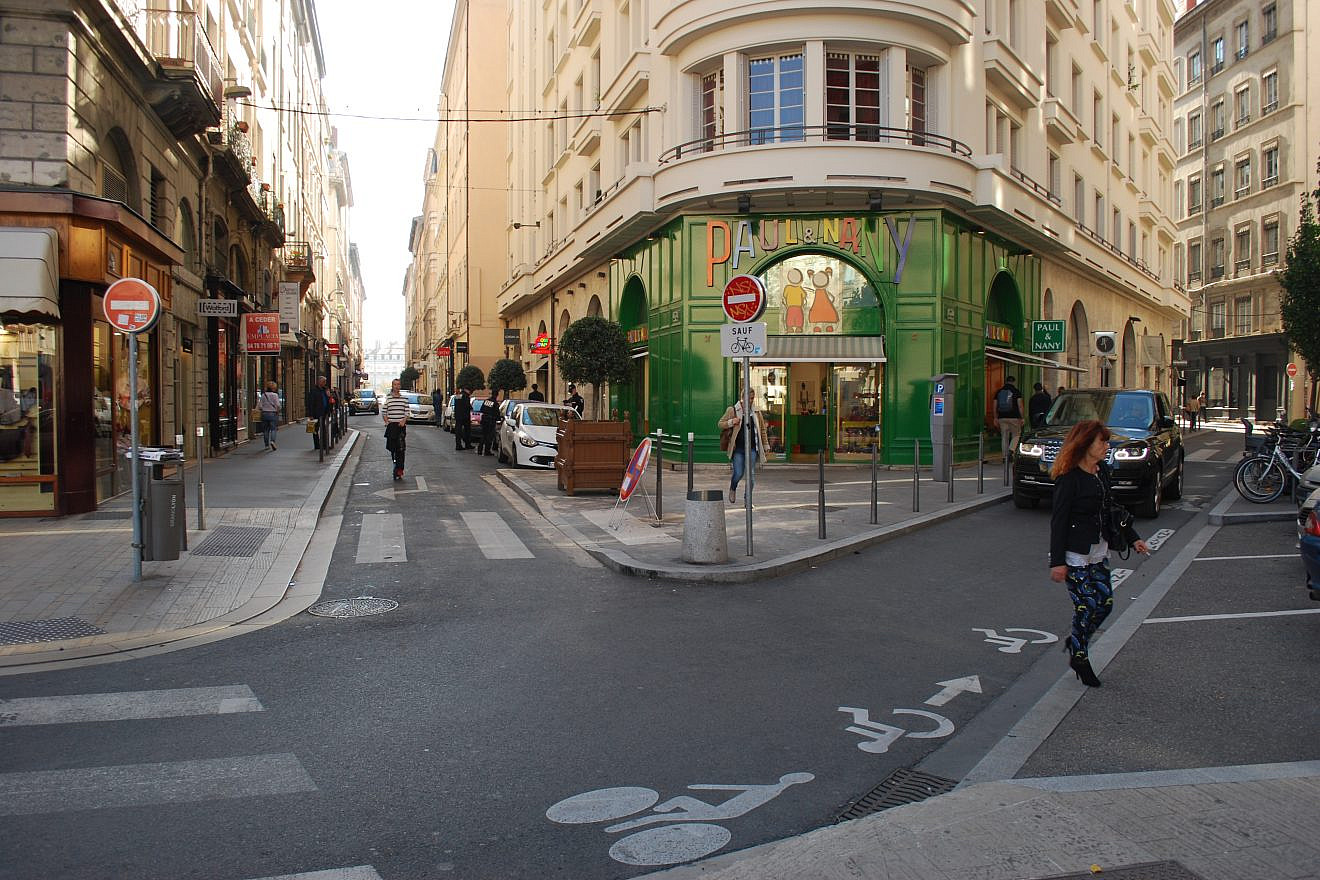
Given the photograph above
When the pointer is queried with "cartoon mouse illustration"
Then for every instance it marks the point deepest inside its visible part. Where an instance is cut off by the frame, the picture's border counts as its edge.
(822, 305)
(794, 297)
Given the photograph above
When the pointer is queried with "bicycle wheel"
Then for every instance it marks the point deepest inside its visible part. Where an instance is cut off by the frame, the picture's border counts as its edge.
(1259, 480)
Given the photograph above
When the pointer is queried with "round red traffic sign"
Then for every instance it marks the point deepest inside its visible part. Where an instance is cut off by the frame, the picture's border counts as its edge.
(131, 305)
(632, 477)
(744, 298)
(1292, 370)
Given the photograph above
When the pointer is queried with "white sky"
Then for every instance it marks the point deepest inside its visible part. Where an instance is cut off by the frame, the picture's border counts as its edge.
(384, 59)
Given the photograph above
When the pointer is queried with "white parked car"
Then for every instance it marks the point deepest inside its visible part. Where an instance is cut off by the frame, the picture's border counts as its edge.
(419, 407)
(527, 434)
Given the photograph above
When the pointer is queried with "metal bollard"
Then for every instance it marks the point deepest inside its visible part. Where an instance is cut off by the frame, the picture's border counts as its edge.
(916, 474)
(659, 475)
(820, 497)
(875, 485)
(201, 483)
(980, 465)
(691, 437)
(1008, 463)
(950, 463)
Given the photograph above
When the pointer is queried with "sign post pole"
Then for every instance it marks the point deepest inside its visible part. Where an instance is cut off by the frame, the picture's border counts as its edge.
(744, 301)
(749, 466)
(135, 455)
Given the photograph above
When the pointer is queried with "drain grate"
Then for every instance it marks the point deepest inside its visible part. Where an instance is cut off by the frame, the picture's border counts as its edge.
(828, 508)
(903, 786)
(1144, 871)
(232, 541)
(358, 606)
(108, 514)
(23, 632)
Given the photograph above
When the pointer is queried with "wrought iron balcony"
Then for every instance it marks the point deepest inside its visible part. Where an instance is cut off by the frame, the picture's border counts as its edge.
(297, 259)
(189, 84)
(837, 132)
(234, 156)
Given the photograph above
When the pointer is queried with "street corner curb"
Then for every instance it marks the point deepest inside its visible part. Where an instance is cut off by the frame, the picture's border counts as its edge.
(1220, 514)
(526, 492)
(791, 563)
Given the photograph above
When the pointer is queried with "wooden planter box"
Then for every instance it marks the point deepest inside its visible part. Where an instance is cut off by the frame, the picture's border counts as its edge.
(592, 455)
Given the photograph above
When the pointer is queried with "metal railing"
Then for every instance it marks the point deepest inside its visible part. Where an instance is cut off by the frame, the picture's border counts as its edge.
(177, 39)
(297, 254)
(1241, 266)
(880, 135)
(1040, 190)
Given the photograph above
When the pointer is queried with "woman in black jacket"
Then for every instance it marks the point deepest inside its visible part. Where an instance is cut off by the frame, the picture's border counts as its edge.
(1079, 553)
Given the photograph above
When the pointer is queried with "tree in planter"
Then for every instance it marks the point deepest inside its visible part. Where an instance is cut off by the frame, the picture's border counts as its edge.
(408, 377)
(594, 350)
(507, 376)
(470, 378)
(1299, 302)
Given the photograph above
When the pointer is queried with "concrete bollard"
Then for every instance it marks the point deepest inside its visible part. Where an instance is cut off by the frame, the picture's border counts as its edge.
(705, 538)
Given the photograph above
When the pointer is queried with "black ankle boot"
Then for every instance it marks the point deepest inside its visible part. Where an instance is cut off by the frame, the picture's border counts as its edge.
(1082, 666)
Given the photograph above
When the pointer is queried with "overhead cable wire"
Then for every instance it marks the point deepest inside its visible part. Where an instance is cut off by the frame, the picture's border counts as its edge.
(522, 115)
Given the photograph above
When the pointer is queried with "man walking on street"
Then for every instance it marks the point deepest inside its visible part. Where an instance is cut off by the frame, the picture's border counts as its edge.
(318, 407)
(462, 421)
(394, 412)
(1008, 416)
(1193, 412)
(490, 415)
(1039, 405)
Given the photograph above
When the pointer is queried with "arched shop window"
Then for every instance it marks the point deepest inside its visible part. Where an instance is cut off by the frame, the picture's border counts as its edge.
(820, 294)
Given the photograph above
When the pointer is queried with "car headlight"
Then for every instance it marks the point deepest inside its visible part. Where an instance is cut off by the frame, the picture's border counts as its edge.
(1032, 450)
(1131, 453)
(525, 440)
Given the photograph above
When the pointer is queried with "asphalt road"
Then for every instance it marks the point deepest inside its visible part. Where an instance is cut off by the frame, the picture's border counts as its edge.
(434, 740)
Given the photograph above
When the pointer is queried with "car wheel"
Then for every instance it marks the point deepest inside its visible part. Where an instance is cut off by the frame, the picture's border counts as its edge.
(1175, 489)
(1025, 502)
(1150, 506)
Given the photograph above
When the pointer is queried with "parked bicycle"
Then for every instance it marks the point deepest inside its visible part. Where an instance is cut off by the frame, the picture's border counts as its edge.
(1275, 462)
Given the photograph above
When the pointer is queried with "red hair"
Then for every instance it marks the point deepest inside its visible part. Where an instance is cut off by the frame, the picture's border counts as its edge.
(1079, 440)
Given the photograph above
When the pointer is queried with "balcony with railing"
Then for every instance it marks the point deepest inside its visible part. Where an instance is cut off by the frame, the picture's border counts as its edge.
(297, 259)
(839, 132)
(233, 154)
(270, 212)
(189, 82)
(1241, 267)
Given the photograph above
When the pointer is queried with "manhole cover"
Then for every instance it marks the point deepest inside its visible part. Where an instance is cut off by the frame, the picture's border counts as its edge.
(22, 632)
(903, 786)
(1144, 871)
(358, 606)
(232, 541)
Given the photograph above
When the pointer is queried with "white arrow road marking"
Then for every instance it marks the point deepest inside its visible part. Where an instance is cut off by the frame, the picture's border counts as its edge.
(953, 687)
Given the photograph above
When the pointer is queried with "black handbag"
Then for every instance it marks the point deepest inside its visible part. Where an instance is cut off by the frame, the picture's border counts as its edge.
(1115, 522)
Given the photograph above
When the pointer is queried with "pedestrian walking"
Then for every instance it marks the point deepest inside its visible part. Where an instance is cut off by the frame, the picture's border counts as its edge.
(333, 395)
(269, 404)
(536, 394)
(574, 399)
(1039, 405)
(732, 425)
(490, 419)
(1079, 538)
(394, 412)
(1194, 412)
(1008, 416)
(438, 407)
(462, 420)
(318, 408)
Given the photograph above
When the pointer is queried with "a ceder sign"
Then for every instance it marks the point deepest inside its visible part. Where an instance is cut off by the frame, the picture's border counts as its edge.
(261, 332)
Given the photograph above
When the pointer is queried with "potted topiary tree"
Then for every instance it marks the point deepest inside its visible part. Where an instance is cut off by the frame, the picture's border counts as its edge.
(507, 376)
(408, 377)
(593, 454)
(470, 378)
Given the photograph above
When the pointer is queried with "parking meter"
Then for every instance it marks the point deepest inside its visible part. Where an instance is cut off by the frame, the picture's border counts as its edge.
(942, 394)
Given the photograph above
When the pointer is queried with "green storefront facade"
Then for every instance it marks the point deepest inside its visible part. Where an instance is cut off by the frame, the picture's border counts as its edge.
(863, 310)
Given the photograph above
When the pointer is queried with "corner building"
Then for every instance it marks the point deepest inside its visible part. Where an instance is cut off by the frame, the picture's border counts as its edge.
(914, 182)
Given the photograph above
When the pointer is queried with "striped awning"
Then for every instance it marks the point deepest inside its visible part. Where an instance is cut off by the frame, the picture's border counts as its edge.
(825, 349)
(1009, 356)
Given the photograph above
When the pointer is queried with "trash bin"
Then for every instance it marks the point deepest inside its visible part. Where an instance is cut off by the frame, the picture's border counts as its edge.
(705, 539)
(163, 505)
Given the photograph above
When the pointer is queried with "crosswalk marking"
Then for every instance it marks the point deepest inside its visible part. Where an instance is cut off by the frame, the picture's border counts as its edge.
(494, 537)
(127, 706)
(381, 538)
(130, 785)
(360, 872)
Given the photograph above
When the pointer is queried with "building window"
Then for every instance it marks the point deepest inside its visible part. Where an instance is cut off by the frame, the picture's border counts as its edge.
(1100, 215)
(1098, 119)
(1242, 250)
(1216, 55)
(1079, 199)
(1055, 177)
(712, 108)
(1269, 99)
(1243, 41)
(775, 99)
(1269, 242)
(1242, 177)
(1269, 172)
(1077, 91)
(1217, 187)
(1116, 229)
(1193, 195)
(1216, 258)
(1216, 120)
(1194, 68)
(1269, 17)
(1179, 206)
(1242, 313)
(1218, 312)
(1193, 131)
(918, 102)
(852, 97)
(1194, 262)
(1179, 142)
(1242, 106)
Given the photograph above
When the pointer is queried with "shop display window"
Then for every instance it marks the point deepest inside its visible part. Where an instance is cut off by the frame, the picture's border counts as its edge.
(819, 294)
(27, 417)
(857, 395)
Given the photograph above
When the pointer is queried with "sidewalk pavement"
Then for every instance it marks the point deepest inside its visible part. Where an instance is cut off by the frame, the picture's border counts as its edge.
(68, 591)
(785, 525)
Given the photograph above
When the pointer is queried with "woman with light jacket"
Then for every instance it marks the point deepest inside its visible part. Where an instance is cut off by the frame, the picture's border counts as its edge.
(733, 419)
(1079, 553)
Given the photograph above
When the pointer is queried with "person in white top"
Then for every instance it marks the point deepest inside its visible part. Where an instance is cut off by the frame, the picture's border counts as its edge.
(394, 413)
(732, 420)
(268, 402)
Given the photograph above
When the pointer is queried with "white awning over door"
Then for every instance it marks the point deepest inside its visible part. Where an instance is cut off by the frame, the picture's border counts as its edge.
(30, 271)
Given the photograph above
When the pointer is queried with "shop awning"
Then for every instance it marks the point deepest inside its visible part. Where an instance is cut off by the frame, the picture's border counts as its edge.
(30, 271)
(536, 365)
(1008, 356)
(825, 349)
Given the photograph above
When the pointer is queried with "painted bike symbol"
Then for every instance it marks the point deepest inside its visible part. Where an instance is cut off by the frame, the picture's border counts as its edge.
(1013, 645)
(671, 844)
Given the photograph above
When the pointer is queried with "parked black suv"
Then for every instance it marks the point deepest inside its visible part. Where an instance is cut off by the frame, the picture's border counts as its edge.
(1145, 451)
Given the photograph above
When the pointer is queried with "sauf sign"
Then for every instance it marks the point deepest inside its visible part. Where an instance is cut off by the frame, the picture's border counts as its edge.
(742, 242)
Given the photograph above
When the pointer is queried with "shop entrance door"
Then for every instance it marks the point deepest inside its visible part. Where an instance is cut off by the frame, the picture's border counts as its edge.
(995, 373)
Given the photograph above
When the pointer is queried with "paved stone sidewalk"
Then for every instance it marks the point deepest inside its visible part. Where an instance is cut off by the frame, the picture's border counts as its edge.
(68, 590)
(785, 528)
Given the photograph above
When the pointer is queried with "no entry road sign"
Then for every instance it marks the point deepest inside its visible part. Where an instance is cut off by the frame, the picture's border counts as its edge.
(131, 305)
(744, 298)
